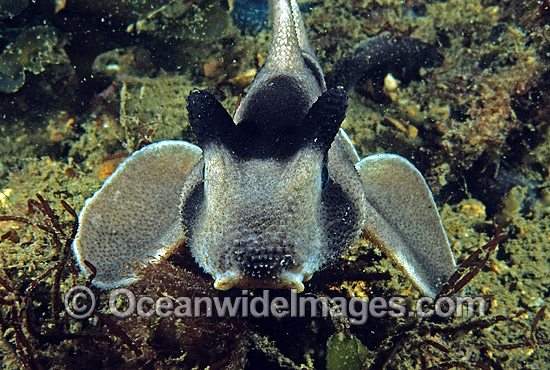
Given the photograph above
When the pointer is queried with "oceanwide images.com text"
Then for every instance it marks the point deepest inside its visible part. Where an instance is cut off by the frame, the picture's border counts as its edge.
(80, 303)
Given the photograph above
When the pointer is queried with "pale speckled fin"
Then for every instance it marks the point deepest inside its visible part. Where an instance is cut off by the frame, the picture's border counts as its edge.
(403, 219)
(134, 217)
(348, 146)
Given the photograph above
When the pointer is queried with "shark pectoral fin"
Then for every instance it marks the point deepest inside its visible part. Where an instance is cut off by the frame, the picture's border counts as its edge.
(403, 219)
(134, 218)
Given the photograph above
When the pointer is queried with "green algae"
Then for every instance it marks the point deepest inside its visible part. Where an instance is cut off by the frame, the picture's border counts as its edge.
(162, 18)
(205, 22)
(146, 97)
(32, 51)
(345, 353)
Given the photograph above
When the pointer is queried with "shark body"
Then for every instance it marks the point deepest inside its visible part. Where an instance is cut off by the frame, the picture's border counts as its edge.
(269, 196)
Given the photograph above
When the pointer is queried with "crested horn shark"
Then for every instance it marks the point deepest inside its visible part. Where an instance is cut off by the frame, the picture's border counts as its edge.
(269, 196)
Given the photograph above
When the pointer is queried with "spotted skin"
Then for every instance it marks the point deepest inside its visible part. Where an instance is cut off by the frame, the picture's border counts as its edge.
(270, 196)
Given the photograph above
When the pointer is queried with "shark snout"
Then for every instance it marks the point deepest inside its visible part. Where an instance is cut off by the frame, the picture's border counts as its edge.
(263, 259)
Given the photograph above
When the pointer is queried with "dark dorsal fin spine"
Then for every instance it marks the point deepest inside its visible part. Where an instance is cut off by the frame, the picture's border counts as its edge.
(208, 118)
(326, 116)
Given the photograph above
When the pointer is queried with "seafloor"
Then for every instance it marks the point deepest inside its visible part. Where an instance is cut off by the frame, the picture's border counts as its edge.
(83, 83)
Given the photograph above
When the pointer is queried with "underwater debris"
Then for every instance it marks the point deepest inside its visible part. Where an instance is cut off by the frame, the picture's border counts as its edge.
(32, 51)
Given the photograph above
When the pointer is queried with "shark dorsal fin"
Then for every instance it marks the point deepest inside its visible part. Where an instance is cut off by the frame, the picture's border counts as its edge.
(281, 138)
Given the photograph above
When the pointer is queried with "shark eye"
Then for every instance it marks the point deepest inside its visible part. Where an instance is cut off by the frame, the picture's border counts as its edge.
(325, 175)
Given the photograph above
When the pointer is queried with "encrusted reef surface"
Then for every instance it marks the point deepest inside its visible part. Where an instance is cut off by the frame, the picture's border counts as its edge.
(84, 83)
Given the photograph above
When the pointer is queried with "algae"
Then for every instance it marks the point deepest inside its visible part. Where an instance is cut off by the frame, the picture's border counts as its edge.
(345, 353)
(32, 51)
